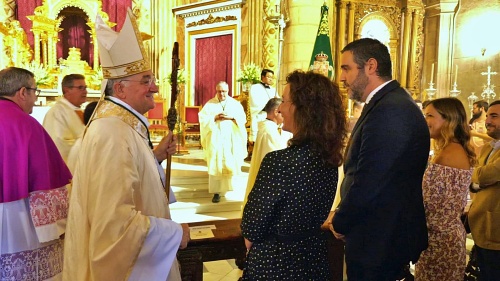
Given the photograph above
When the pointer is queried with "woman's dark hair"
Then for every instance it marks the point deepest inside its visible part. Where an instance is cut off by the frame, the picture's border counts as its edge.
(320, 118)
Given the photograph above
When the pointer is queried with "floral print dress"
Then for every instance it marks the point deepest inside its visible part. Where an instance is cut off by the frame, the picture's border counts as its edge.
(445, 196)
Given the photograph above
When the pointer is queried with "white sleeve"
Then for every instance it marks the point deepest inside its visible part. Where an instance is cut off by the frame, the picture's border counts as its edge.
(159, 250)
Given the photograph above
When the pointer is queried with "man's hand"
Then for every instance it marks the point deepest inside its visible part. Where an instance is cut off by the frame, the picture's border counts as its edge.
(328, 223)
(185, 236)
(222, 117)
(167, 146)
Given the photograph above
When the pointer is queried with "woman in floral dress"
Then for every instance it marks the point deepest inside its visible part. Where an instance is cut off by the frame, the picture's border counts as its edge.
(295, 187)
(445, 186)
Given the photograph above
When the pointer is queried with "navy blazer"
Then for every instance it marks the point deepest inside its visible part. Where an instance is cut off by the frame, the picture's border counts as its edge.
(381, 212)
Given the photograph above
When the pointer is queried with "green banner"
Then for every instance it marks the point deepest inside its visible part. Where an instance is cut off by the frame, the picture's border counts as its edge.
(321, 59)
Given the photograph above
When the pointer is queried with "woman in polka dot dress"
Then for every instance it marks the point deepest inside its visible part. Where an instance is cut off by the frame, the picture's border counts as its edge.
(295, 187)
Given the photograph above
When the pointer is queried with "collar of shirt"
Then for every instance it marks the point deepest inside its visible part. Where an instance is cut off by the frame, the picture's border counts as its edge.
(372, 93)
(137, 114)
(65, 101)
(265, 85)
(495, 144)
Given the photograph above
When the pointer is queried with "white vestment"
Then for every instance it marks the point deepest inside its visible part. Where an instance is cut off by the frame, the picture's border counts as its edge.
(477, 142)
(64, 126)
(258, 97)
(268, 139)
(119, 225)
(224, 142)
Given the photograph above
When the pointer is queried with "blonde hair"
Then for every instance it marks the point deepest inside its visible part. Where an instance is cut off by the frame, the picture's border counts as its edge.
(455, 128)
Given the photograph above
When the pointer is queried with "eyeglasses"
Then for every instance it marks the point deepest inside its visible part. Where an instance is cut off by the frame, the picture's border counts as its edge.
(81, 88)
(37, 92)
(144, 82)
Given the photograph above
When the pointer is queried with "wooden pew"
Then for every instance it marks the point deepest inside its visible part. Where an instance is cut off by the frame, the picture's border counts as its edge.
(228, 243)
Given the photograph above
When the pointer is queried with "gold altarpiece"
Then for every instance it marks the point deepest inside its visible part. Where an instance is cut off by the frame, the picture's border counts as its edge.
(46, 21)
(404, 22)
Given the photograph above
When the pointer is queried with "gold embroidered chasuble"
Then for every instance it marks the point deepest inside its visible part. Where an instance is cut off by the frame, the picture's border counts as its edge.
(117, 197)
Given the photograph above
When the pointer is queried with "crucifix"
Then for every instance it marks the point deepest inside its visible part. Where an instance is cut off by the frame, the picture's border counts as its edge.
(488, 92)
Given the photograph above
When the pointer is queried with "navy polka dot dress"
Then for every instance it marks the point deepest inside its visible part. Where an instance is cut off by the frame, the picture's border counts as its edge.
(291, 198)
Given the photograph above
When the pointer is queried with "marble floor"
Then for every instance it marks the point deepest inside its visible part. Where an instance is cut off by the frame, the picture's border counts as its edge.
(189, 180)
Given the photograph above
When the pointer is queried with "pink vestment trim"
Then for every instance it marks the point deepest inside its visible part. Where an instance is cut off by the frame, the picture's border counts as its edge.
(47, 208)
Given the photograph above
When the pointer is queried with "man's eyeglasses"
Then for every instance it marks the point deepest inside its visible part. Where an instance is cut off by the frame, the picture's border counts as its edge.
(144, 82)
(81, 88)
(37, 91)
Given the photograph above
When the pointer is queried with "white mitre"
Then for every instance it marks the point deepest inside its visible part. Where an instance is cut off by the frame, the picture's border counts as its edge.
(122, 54)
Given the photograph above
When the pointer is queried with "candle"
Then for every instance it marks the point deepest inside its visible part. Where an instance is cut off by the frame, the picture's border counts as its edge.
(432, 72)
(456, 73)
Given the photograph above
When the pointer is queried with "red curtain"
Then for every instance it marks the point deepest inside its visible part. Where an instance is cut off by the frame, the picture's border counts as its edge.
(213, 64)
(75, 34)
(24, 9)
(117, 11)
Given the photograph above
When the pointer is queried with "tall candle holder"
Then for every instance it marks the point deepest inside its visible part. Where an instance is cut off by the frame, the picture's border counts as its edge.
(431, 91)
(455, 92)
(472, 98)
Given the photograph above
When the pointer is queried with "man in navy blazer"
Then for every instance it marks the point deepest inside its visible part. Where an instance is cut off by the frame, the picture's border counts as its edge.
(381, 215)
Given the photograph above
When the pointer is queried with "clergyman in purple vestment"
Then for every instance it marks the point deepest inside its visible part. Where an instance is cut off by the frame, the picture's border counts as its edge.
(33, 179)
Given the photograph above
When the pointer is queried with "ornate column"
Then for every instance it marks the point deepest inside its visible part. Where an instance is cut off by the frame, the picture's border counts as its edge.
(407, 17)
(44, 48)
(51, 48)
(270, 38)
(36, 44)
(350, 26)
(413, 70)
(253, 28)
(341, 34)
(441, 15)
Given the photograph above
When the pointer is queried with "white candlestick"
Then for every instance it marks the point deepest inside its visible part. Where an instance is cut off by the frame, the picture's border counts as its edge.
(432, 73)
(456, 73)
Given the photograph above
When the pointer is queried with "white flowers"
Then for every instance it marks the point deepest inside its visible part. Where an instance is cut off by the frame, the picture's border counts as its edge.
(250, 74)
(181, 77)
(41, 73)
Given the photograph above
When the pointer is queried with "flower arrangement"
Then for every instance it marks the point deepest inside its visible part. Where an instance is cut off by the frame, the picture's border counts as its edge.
(250, 74)
(41, 73)
(181, 77)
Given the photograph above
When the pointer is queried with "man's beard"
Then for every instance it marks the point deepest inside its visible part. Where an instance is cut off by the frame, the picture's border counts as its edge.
(358, 86)
(495, 134)
(476, 115)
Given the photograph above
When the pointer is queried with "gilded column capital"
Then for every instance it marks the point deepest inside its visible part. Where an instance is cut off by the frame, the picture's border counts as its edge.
(342, 4)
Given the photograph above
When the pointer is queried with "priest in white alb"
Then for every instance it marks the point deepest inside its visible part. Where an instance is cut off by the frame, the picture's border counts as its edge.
(223, 137)
(119, 225)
